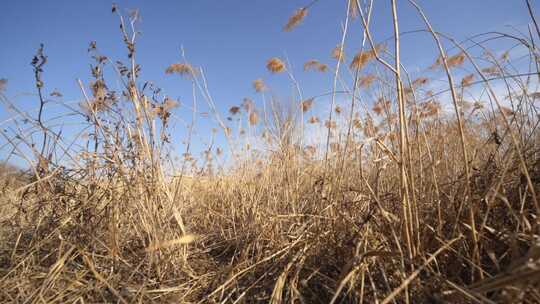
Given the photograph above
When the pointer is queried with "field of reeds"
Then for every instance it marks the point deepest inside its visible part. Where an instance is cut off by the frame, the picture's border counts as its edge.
(405, 194)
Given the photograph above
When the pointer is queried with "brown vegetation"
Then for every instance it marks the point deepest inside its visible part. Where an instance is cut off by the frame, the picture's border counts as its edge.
(408, 202)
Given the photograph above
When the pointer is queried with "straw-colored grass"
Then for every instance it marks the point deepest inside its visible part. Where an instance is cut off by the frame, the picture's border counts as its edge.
(404, 201)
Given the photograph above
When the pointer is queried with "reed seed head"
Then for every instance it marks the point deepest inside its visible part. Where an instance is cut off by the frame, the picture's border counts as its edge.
(313, 120)
(366, 81)
(420, 81)
(456, 60)
(467, 80)
(234, 110)
(306, 104)
(296, 19)
(3, 84)
(253, 118)
(183, 69)
(338, 53)
(275, 65)
(314, 64)
(259, 85)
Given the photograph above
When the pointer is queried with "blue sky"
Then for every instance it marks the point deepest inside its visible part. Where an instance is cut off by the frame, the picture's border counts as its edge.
(230, 39)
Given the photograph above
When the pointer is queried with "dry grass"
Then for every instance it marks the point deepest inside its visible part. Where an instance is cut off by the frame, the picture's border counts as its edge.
(408, 204)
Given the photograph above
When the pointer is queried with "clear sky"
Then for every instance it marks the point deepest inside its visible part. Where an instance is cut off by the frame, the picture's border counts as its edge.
(230, 39)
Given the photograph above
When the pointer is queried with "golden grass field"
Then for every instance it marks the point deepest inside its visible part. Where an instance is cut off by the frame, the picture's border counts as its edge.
(409, 197)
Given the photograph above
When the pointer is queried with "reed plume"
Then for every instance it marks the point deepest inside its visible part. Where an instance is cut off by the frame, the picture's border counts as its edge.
(275, 65)
(296, 19)
(259, 86)
(184, 69)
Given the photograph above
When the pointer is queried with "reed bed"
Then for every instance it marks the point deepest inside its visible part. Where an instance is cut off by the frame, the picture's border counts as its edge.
(410, 193)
